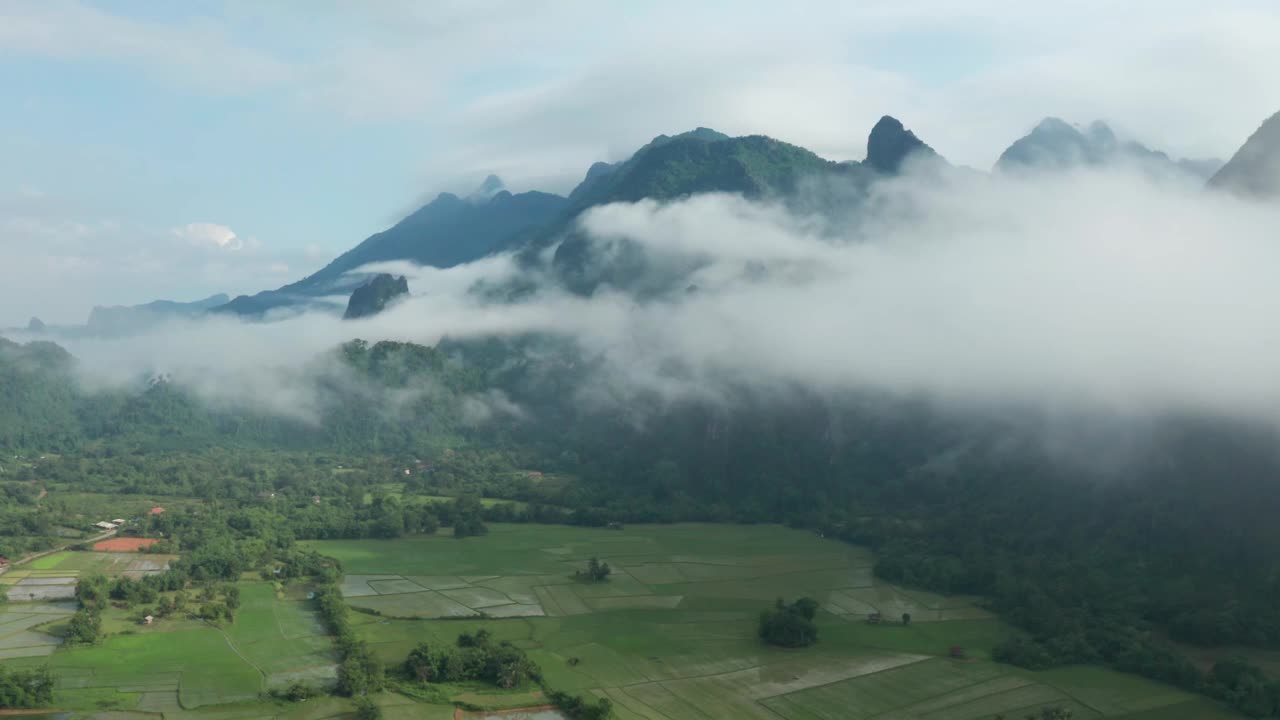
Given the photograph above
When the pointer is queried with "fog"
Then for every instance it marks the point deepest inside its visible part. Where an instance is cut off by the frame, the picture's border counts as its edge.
(1090, 291)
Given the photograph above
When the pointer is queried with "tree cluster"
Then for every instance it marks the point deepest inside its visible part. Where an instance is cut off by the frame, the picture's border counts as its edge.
(581, 707)
(360, 671)
(790, 625)
(596, 571)
(474, 657)
(25, 689)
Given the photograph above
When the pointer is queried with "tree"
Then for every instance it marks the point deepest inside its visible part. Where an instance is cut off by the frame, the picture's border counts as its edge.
(84, 627)
(421, 663)
(468, 516)
(790, 625)
(366, 709)
(360, 672)
(475, 657)
(580, 707)
(906, 618)
(596, 571)
(232, 593)
(22, 689)
(479, 639)
(807, 607)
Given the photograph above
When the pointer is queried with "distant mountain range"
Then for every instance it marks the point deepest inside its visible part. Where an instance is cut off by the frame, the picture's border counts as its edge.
(122, 319)
(118, 320)
(1055, 144)
(452, 230)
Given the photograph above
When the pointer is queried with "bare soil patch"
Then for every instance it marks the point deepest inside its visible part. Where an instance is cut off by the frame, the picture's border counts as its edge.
(123, 544)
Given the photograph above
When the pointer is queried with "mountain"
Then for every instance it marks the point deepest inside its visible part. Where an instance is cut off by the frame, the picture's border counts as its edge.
(452, 230)
(35, 325)
(671, 167)
(703, 160)
(374, 296)
(595, 175)
(890, 144)
(1055, 144)
(125, 319)
(36, 388)
(448, 231)
(1254, 171)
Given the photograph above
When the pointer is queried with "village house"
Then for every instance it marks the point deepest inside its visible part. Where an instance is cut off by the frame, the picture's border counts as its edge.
(4, 562)
(104, 525)
(118, 521)
(157, 510)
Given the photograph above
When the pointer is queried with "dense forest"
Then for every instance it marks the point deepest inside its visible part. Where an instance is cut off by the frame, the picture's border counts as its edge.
(1096, 563)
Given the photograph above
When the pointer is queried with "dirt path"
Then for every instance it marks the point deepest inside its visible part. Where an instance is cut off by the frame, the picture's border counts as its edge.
(236, 650)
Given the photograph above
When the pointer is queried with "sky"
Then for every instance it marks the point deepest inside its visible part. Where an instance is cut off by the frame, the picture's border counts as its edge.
(173, 150)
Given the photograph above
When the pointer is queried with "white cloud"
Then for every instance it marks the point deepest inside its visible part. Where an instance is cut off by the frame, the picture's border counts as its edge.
(1078, 292)
(967, 77)
(199, 52)
(209, 235)
(538, 91)
(59, 261)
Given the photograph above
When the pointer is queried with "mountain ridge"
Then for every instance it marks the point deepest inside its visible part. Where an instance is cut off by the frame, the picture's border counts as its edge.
(1056, 145)
(447, 231)
(1254, 170)
(453, 229)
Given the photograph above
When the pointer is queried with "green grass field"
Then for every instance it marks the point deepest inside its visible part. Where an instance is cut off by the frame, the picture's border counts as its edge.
(184, 668)
(672, 634)
(282, 638)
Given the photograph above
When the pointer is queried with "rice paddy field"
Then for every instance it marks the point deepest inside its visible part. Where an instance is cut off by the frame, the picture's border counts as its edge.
(53, 577)
(181, 668)
(24, 629)
(671, 635)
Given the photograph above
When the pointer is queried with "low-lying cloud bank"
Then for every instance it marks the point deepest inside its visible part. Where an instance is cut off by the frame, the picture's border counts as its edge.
(1087, 291)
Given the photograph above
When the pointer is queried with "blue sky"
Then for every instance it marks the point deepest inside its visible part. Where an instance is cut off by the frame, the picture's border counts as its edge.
(156, 149)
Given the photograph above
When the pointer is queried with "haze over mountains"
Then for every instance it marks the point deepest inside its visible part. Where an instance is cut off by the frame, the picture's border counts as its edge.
(1056, 144)
(118, 320)
(453, 230)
